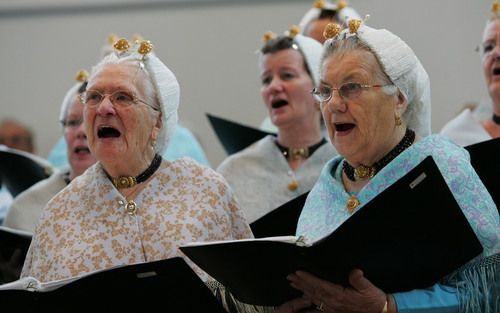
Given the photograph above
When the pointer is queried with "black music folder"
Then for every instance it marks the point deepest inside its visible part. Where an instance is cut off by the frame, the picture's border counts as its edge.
(161, 286)
(14, 245)
(485, 158)
(234, 136)
(409, 236)
(281, 221)
(19, 170)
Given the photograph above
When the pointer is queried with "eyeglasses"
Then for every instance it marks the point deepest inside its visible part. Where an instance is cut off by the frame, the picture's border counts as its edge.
(119, 98)
(347, 91)
(72, 123)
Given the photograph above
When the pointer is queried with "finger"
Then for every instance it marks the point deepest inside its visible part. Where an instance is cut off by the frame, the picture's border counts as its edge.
(359, 282)
(294, 305)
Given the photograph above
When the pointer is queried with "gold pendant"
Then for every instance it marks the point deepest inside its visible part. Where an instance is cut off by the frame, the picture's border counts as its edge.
(131, 207)
(293, 185)
(352, 203)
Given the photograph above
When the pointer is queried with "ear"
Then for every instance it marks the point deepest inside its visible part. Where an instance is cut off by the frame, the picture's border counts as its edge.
(156, 128)
(401, 103)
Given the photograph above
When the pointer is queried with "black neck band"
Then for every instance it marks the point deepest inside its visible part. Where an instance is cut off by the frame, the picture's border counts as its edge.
(297, 153)
(370, 171)
(130, 181)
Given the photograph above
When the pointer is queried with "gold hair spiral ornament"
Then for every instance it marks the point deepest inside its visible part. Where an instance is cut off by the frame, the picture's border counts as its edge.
(293, 31)
(319, 4)
(341, 4)
(82, 76)
(354, 25)
(332, 30)
(495, 8)
(145, 47)
(122, 45)
(269, 35)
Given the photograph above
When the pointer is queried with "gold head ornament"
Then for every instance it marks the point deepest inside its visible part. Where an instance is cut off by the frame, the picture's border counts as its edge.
(355, 24)
(122, 45)
(341, 4)
(145, 47)
(332, 30)
(495, 8)
(269, 35)
(82, 76)
(319, 4)
(293, 31)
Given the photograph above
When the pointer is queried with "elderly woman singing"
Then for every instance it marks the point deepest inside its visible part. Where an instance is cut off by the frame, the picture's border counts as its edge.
(375, 100)
(131, 206)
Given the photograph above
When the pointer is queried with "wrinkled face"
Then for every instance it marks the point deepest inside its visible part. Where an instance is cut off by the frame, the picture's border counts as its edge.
(359, 127)
(117, 133)
(490, 52)
(286, 88)
(78, 151)
(316, 27)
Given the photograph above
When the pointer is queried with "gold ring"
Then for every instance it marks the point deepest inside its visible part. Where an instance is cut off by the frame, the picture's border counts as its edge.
(321, 307)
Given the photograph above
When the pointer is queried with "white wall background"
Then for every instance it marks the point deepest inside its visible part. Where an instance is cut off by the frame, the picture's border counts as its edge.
(210, 46)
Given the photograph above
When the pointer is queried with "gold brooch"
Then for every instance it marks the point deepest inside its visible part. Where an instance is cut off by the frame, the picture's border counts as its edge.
(495, 7)
(319, 4)
(124, 181)
(293, 31)
(352, 203)
(332, 30)
(82, 76)
(131, 207)
(122, 45)
(341, 4)
(364, 172)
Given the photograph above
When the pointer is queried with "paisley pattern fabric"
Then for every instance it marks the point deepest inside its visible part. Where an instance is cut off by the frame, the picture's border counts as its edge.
(85, 227)
(325, 210)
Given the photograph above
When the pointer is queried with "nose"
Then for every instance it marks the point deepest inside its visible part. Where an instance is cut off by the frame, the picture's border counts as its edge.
(106, 107)
(336, 103)
(275, 85)
(80, 131)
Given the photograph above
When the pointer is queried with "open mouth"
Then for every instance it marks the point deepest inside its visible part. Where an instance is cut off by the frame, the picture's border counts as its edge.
(342, 127)
(496, 71)
(81, 150)
(108, 132)
(279, 103)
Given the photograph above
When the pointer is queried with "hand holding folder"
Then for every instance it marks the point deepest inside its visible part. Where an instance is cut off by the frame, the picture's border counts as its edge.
(408, 237)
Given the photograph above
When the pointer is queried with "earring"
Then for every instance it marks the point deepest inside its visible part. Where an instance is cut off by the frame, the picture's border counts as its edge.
(397, 120)
(153, 144)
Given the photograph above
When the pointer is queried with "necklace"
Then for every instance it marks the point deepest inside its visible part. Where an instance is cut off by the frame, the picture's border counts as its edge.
(369, 171)
(131, 181)
(496, 119)
(298, 153)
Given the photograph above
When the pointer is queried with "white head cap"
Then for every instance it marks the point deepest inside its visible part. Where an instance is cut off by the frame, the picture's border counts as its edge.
(343, 12)
(76, 89)
(403, 68)
(166, 87)
(310, 48)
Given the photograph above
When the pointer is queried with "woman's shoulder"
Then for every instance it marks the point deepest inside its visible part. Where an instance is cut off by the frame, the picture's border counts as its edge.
(257, 151)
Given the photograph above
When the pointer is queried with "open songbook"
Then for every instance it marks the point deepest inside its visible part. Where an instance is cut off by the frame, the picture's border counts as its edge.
(14, 245)
(168, 285)
(409, 236)
(19, 170)
(234, 136)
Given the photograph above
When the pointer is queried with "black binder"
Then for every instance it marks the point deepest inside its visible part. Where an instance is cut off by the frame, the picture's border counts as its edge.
(19, 170)
(409, 236)
(162, 286)
(485, 158)
(281, 221)
(14, 245)
(234, 136)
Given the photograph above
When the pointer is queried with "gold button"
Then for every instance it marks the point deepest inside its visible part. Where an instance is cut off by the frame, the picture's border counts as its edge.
(293, 185)
(352, 203)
